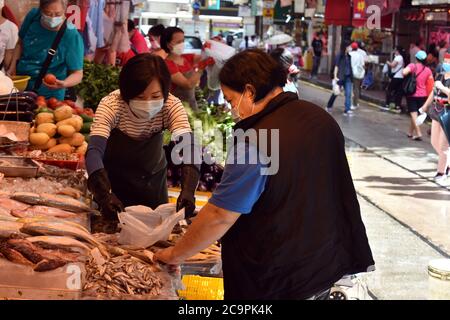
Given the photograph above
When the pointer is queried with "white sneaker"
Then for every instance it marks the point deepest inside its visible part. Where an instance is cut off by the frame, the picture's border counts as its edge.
(440, 179)
(353, 107)
(384, 108)
(349, 113)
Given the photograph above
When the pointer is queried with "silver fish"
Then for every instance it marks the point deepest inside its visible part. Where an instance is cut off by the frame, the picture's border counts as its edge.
(59, 242)
(51, 200)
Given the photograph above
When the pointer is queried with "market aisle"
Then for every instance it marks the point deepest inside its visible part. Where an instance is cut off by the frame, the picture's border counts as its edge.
(406, 214)
(401, 257)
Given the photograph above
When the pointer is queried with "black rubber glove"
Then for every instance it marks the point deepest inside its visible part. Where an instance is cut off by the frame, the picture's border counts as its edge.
(189, 183)
(99, 185)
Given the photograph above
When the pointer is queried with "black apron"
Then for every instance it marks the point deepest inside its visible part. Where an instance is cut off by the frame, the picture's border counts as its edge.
(137, 169)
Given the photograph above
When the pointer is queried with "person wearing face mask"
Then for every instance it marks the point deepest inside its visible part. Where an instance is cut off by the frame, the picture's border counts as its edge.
(291, 231)
(394, 93)
(125, 158)
(37, 35)
(154, 35)
(185, 69)
(437, 101)
(8, 40)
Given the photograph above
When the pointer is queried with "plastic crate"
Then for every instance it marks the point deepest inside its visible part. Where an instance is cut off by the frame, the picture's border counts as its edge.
(201, 288)
(65, 164)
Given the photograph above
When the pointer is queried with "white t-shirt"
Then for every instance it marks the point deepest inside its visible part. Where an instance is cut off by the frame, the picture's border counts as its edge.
(358, 61)
(399, 68)
(9, 35)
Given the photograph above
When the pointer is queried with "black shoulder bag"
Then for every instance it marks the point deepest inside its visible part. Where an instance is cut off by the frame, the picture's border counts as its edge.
(50, 55)
(410, 83)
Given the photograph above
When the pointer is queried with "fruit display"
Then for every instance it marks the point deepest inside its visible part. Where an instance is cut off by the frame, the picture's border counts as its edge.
(60, 127)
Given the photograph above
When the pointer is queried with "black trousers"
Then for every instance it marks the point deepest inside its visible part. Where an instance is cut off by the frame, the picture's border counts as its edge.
(395, 92)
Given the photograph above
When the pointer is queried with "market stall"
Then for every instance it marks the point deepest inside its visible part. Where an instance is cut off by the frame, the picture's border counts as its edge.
(48, 246)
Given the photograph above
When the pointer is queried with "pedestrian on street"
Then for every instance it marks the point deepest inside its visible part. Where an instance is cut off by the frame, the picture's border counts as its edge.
(292, 233)
(394, 92)
(434, 106)
(343, 75)
(317, 47)
(359, 58)
(417, 100)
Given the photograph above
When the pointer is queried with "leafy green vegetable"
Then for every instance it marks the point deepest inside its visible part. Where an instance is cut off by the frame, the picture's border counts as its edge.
(98, 81)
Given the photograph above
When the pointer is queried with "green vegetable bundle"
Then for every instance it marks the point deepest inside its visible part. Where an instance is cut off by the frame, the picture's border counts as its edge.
(98, 81)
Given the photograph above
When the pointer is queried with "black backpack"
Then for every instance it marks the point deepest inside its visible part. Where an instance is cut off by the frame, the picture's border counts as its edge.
(410, 82)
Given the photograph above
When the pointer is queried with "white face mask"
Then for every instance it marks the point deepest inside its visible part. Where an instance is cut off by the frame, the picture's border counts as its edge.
(235, 111)
(146, 109)
(52, 22)
(178, 49)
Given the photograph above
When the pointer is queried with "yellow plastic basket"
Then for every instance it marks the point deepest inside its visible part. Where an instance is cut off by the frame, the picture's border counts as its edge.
(201, 288)
(20, 82)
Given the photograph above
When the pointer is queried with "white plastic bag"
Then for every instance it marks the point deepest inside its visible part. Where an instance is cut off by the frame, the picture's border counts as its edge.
(143, 227)
(220, 53)
(336, 88)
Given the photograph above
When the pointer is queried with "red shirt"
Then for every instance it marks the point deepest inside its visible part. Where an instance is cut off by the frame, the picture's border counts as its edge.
(187, 66)
(139, 43)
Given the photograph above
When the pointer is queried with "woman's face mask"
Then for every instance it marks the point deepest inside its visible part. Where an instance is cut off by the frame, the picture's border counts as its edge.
(236, 111)
(446, 67)
(52, 22)
(146, 109)
(178, 49)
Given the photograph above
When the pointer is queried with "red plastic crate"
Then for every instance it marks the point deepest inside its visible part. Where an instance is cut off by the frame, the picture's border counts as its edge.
(66, 164)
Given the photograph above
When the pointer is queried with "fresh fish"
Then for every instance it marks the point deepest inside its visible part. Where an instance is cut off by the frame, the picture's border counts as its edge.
(52, 220)
(4, 212)
(9, 228)
(51, 200)
(42, 211)
(59, 242)
(47, 265)
(71, 192)
(62, 229)
(9, 204)
(13, 255)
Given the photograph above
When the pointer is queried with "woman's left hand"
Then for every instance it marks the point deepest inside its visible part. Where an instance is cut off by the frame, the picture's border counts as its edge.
(59, 84)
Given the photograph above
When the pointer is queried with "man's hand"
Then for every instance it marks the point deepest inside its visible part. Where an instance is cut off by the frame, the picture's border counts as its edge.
(166, 256)
(60, 84)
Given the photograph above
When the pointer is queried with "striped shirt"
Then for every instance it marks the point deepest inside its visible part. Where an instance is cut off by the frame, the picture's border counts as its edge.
(113, 112)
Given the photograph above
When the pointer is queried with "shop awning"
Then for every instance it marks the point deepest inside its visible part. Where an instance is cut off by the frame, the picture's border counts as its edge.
(338, 12)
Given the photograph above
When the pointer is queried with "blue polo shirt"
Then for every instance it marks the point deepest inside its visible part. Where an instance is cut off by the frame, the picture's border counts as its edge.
(242, 181)
(36, 41)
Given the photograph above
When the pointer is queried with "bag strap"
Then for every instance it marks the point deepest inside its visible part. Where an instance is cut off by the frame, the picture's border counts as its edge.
(50, 55)
(417, 74)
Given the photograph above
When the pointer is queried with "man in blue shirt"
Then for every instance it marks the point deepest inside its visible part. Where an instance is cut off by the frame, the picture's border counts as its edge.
(37, 34)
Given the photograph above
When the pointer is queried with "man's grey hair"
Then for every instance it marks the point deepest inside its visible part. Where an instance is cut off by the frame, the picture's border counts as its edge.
(45, 3)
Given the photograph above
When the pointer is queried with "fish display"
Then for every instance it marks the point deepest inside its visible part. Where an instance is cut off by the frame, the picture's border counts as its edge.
(9, 228)
(122, 275)
(51, 200)
(54, 242)
(10, 204)
(20, 250)
(43, 211)
(4, 212)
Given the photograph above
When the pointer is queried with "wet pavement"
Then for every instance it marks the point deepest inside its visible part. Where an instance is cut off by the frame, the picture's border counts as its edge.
(407, 215)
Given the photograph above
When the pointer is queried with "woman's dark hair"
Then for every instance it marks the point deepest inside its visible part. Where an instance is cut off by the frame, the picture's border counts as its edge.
(157, 30)
(253, 67)
(45, 3)
(131, 25)
(139, 72)
(167, 37)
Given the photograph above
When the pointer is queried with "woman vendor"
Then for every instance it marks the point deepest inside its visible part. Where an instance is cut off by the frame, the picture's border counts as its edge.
(185, 69)
(125, 158)
(37, 35)
(292, 233)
